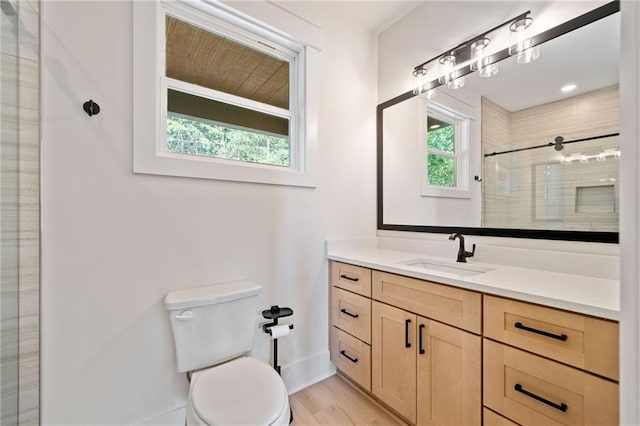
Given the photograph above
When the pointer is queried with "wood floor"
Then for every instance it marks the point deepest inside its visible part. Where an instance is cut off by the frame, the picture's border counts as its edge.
(334, 402)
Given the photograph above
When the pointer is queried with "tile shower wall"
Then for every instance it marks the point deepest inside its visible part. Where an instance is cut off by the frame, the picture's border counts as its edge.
(20, 212)
(534, 189)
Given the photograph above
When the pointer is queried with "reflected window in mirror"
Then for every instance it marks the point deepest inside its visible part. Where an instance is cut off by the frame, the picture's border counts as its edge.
(441, 153)
(445, 139)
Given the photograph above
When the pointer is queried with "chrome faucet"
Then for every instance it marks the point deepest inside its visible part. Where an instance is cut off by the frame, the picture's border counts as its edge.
(462, 253)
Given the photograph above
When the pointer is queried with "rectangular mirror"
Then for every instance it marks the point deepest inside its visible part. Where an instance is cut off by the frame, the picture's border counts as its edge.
(520, 154)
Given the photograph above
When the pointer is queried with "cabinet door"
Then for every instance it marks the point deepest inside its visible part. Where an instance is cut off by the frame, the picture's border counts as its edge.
(393, 368)
(449, 374)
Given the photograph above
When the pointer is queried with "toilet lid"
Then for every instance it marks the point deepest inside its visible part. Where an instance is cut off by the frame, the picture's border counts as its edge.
(244, 391)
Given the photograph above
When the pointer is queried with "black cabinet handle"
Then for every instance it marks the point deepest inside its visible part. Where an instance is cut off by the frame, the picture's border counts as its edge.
(562, 407)
(346, 277)
(344, 311)
(353, 360)
(407, 344)
(562, 337)
(420, 348)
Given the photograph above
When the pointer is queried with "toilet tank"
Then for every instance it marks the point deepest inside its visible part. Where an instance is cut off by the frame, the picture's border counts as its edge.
(212, 324)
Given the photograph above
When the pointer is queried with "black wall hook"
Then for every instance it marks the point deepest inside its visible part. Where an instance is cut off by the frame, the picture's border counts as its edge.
(91, 107)
(477, 178)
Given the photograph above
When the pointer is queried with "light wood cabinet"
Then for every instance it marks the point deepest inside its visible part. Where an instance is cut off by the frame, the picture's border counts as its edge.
(450, 305)
(437, 354)
(351, 356)
(350, 331)
(352, 278)
(428, 372)
(490, 418)
(352, 313)
(584, 342)
(532, 390)
(449, 374)
(393, 358)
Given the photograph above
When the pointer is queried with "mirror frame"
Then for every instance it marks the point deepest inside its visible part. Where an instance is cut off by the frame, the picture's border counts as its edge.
(586, 236)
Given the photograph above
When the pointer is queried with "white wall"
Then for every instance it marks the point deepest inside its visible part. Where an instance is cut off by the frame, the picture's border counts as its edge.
(114, 243)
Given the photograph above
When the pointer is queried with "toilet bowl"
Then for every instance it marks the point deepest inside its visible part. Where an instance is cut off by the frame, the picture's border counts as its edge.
(243, 391)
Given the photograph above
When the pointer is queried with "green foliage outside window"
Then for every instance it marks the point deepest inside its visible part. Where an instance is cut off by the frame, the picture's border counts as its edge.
(193, 137)
(441, 139)
(441, 169)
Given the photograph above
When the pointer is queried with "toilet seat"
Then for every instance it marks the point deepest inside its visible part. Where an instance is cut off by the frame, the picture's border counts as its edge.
(244, 391)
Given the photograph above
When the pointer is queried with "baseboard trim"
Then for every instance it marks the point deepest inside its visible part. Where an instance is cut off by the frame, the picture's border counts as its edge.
(307, 371)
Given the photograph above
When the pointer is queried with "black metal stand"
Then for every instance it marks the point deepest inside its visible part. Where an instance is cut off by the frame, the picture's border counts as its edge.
(275, 313)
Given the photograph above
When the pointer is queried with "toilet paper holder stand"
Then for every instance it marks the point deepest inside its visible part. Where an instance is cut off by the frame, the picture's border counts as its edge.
(275, 313)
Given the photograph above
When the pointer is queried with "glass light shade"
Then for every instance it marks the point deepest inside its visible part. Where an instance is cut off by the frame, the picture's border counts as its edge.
(521, 42)
(488, 70)
(478, 55)
(420, 80)
(480, 61)
(456, 83)
(446, 71)
(529, 55)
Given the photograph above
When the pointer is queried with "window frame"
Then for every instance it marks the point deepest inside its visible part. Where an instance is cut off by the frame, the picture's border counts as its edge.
(460, 121)
(150, 121)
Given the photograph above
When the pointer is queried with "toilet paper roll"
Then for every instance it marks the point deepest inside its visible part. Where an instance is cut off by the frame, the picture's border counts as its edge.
(278, 331)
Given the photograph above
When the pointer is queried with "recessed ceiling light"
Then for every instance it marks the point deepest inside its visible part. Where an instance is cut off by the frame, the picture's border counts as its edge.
(434, 126)
(568, 87)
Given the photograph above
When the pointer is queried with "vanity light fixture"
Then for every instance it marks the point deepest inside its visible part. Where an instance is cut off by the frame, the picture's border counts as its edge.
(473, 55)
(521, 41)
(568, 87)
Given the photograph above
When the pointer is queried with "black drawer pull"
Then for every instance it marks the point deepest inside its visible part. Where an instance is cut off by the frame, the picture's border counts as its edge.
(407, 344)
(344, 311)
(562, 337)
(562, 407)
(346, 277)
(420, 348)
(353, 360)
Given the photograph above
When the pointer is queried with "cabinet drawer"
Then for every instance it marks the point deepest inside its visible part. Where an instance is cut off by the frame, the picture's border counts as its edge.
(578, 340)
(493, 419)
(352, 357)
(351, 313)
(454, 306)
(353, 278)
(533, 391)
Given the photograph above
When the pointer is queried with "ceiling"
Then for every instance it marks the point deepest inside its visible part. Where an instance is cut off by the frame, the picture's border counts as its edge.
(375, 16)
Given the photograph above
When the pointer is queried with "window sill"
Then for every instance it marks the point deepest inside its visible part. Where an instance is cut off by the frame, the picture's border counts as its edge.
(438, 191)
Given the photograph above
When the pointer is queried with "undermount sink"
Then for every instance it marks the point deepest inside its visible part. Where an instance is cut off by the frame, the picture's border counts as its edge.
(464, 270)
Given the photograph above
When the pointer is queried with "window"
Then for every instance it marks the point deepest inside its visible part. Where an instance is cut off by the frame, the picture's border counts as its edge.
(445, 148)
(234, 98)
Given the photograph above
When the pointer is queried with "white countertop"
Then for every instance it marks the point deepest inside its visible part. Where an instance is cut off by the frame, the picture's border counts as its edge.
(592, 296)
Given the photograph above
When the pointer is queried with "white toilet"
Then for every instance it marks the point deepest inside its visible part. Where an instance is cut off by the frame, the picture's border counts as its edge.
(213, 328)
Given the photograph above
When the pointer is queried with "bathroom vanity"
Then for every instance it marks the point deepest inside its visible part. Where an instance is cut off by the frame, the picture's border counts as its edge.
(446, 343)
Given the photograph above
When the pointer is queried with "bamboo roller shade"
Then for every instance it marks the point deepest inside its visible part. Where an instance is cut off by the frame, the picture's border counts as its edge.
(200, 57)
